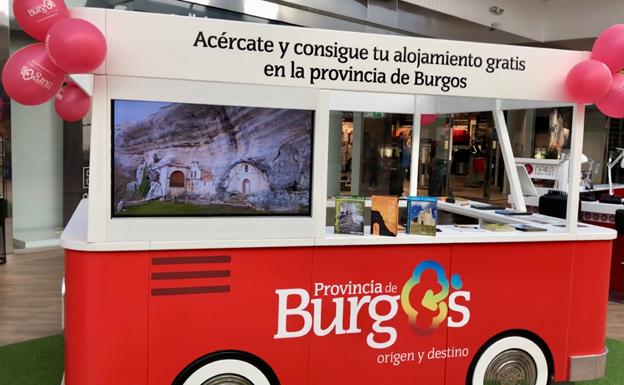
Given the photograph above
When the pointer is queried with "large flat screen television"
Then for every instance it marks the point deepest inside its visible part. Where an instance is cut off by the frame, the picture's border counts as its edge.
(183, 159)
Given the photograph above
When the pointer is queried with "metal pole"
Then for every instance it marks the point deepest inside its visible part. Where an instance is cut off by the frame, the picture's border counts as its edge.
(508, 158)
(414, 172)
(449, 164)
(576, 148)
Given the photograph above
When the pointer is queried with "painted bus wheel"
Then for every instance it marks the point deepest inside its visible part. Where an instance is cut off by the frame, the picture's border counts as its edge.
(512, 367)
(227, 372)
(228, 379)
(511, 361)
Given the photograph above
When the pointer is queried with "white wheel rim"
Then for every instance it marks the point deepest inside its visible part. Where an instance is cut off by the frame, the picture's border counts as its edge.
(215, 368)
(508, 343)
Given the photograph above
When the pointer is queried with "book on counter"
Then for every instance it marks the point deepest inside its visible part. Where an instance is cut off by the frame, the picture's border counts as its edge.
(497, 227)
(349, 215)
(462, 202)
(457, 201)
(422, 215)
(468, 228)
(529, 228)
(384, 215)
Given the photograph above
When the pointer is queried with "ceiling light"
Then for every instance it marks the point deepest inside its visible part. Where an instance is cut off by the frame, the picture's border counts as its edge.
(261, 8)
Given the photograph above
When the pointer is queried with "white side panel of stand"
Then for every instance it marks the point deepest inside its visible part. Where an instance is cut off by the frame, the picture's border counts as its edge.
(209, 228)
(99, 163)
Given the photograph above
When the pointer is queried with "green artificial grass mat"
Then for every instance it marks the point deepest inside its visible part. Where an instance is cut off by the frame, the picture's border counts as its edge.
(36, 362)
(40, 362)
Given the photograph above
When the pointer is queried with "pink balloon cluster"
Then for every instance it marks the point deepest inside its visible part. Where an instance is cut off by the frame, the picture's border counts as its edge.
(596, 80)
(35, 73)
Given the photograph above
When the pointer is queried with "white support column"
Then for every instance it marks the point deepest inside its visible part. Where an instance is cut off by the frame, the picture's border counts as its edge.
(576, 148)
(413, 187)
(319, 182)
(508, 158)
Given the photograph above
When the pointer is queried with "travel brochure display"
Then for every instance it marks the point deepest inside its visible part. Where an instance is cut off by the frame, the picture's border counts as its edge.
(384, 215)
(349, 215)
(422, 215)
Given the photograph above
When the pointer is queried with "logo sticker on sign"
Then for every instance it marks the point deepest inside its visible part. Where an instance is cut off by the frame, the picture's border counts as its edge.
(423, 295)
(423, 298)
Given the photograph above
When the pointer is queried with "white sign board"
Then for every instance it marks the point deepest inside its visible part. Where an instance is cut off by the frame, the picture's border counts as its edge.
(176, 47)
(541, 168)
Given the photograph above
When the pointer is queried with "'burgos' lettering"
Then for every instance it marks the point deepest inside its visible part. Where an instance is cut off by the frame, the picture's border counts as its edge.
(45, 7)
(423, 300)
(29, 74)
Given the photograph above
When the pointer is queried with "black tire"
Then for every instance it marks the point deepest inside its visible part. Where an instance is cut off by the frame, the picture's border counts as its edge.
(227, 368)
(511, 360)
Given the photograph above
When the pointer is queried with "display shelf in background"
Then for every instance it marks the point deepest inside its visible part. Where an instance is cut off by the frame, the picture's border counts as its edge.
(45, 237)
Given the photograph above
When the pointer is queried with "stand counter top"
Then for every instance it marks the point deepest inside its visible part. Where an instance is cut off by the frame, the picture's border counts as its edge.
(74, 236)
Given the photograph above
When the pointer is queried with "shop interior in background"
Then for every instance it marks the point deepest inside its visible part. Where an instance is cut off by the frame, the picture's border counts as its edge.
(457, 155)
(551, 145)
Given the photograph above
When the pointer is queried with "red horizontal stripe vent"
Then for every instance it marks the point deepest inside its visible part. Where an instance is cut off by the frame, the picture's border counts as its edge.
(191, 274)
(190, 290)
(190, 260)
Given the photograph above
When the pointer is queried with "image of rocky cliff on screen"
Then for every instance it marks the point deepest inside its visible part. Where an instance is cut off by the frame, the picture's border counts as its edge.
(177, 159)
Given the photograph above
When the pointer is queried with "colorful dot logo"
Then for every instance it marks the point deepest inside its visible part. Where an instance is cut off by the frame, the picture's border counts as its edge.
(423, 295)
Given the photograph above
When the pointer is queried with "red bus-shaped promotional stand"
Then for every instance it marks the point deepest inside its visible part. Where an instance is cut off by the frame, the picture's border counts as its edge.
(164, 299)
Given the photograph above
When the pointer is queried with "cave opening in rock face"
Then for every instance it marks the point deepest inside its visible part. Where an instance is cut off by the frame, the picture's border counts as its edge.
(176, 179)
(246, 178)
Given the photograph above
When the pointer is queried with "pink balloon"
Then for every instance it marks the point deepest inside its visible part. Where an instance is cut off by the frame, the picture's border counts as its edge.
(609, 47)
(72, 103)
(37, 16)
(588, 81)
(29, 76)
(76, 46)
(427, 119)
(612, 104)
